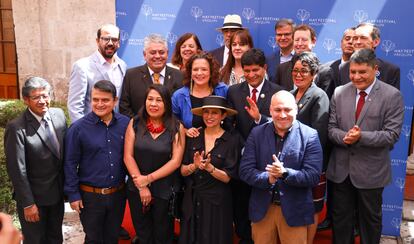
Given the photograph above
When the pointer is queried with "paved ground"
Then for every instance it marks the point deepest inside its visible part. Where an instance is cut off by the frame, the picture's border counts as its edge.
(73, 233)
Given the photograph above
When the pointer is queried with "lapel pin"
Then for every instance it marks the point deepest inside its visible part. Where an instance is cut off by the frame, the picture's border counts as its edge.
(262, 95)
(169, 76)
(300, 105)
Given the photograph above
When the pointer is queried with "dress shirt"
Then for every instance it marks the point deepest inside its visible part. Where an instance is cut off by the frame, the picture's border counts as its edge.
(94, 153)
(114, 72)
(225, 55)
(284, 59)
(367, 91)
(162, 75)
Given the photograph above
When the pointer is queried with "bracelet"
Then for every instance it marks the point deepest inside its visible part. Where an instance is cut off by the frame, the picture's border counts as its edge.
(212, 171)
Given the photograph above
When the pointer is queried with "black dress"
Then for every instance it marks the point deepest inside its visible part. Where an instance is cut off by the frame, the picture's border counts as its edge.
(207, 206)
(153, 225)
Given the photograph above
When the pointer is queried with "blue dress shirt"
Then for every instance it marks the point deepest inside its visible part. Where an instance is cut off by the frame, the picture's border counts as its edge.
(94, 153)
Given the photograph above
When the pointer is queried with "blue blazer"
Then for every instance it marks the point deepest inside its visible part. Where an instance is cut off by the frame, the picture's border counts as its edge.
(302, 158)
(181, 103)
(272, 61)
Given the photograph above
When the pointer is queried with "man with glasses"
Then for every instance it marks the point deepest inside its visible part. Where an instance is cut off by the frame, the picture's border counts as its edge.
(284, 39)
(231, 24)
(103, 64)
(34, 157)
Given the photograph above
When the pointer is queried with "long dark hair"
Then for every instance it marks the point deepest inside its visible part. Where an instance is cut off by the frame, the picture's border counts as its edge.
(171, 124)
(245, 38)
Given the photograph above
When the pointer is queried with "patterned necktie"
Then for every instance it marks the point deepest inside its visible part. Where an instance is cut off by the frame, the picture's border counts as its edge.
(360, 104)
(53, 141)
(156, 77)
(254, 91)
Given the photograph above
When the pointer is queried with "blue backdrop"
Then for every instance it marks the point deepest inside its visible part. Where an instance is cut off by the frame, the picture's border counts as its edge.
(172, 18)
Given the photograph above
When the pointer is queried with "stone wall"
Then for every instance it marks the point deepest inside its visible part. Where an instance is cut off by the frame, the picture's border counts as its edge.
(52, 34)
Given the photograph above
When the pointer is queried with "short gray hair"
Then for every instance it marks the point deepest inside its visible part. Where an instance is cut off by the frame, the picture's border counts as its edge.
(154, 38)
(33, 83)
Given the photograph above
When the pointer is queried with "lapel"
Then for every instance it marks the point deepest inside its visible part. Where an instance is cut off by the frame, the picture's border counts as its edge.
(349, 106)
(306, 97)
(290, 142)
(58, 129)
(244, 92)
(98, 66)
(35, 125)
(368, 102)
(168, 78)
(344, 73)
(270, 139)
(146, 77)
(261, 101)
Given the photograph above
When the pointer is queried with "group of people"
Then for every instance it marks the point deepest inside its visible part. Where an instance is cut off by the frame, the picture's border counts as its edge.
(224, 140)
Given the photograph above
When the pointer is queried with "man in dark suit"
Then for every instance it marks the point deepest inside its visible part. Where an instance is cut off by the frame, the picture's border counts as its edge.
(251, 99)
(282, 161)
(284, 39)
(367, 35)
(304, 39)
(138, 79)
(366, 117)
(231, 24)
(34, 152)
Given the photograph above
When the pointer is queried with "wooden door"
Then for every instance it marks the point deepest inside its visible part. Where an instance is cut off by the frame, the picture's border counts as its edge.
(8, 63)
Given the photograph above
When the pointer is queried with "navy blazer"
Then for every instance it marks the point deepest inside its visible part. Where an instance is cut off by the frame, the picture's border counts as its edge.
(302, 158)
(218, 54)
(272, 62)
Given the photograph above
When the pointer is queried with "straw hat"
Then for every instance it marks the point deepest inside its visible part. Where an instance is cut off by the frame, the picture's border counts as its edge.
(214, 102)
(231, 21)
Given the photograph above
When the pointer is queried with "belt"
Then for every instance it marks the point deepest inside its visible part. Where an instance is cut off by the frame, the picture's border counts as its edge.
(103, 191)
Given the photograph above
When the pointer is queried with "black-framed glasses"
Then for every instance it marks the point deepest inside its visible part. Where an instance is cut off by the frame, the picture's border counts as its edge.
(106, 39)
(302, 72)
(37, 98)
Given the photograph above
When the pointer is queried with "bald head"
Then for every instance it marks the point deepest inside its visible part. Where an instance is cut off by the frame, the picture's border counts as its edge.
(283, 110)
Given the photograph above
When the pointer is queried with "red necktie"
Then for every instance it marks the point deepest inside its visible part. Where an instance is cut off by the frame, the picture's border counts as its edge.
(360, 104)
(253, 97)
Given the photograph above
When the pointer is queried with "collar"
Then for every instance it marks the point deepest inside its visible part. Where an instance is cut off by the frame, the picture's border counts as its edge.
(289, 55)
(162, 73)
(95, 118)
(102, 60)
(369, 88)
(287, 133)
(258, 88)
(39, 118)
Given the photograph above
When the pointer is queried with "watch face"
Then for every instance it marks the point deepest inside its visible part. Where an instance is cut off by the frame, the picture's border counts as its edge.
(284, 175)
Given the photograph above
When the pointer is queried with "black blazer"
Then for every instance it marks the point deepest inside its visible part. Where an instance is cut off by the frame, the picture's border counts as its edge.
(218, 54)
(136, 82)
(35, 170)
(273, 61)
(236, 97)
(387, 72)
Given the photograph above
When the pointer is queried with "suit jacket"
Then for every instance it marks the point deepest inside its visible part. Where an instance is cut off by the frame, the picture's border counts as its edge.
(136, 82)
(85, 73)
(236, 97)
(367, 162)
(273, 62)
(301, 156)
(283, 76)
(387, 72)
(35, 170)
(218, 54)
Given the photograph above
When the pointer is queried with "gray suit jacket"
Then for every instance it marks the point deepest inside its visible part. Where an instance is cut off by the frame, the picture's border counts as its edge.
(367, 162)
(85, 73)
(35, 171)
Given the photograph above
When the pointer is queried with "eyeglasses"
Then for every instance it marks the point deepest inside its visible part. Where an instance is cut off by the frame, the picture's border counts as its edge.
(37, 98)
(302, 72)
(106, 39)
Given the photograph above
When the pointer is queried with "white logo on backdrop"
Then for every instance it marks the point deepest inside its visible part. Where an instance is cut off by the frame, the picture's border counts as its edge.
(272, 42)
(387, 46)
(360, 16)
(248, 13)
(146, 10)
(410, 75)
(405, 130)
(329, 44)
(124, 36)
(396, 222)
(220, 39)
(302, 14)
(171, 38)
(400, 182)
(196, 12)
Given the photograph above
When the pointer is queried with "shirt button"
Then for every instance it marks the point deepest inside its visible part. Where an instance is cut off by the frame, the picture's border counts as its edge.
(110, 152)
(112, 164)
(201, 177)
(109, 140)
(112, 176)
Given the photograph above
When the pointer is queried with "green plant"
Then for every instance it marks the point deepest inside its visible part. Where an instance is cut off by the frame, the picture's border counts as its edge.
(7, 204)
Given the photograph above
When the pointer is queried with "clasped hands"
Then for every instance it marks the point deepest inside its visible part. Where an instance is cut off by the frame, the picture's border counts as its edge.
(353, 135)
(201, 163)
(275, 170)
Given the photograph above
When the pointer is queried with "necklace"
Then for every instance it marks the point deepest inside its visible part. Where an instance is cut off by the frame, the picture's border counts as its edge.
(155, 130)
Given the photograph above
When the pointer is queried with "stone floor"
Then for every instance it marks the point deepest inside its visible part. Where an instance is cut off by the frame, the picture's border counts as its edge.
(73, 234)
